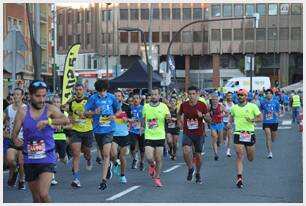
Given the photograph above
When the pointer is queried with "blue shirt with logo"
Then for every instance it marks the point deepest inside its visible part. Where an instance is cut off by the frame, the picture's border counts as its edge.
(270, 111)
(137, 118)
(108, 106)
(285, 98)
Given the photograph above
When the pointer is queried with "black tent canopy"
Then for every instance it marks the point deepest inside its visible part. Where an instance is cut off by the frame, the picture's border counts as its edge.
(136, 77)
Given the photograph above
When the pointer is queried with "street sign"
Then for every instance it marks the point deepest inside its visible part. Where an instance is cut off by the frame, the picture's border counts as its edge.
(8, 62)
(248, 62)
(9, 41)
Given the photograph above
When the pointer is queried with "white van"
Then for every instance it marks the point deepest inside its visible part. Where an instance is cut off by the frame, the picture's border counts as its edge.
(237, 83)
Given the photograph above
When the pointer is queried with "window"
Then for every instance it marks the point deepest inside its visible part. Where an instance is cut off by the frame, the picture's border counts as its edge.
(20, 25)
(283, 33)
(272, 9)
(216, 10)
(227, 34)
(144, 14)
(88, 61)
(249, 34)
(197, 36)
(134, 37)
(155, 37)
(78, 38)
(272, 33)
(134, 14)
(165, 14)
(87, 16)
(78, 17)
(197, 13)
(238, 9)
(106, 15)
(106, 38)
(237, 34)
(155, 13)
(206, 13)
(284, 9)
(88, 39)
(186, 13)
(69, 18)
(165, 36)
(70, 40)
(187, 36)
(95, 63)
(205, 37)
(176, 38)
(176, 13)
(296, 9)
(261, 9)
(146, 36)
(227, 10)
(215, 34)
(249, 9)
(295, 33)
(261, 34)
(124, 38)
(124, 14)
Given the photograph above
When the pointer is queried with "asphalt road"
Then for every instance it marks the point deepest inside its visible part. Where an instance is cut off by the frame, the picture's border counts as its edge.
(277, 180)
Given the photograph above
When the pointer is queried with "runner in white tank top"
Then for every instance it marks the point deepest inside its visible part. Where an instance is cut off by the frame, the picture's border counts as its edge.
(227, 134)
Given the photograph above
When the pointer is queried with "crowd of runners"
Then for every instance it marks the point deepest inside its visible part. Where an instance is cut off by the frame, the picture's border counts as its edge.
(38, 134)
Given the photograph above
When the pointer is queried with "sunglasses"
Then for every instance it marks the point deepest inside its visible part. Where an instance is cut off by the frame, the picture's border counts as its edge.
(40, 84)
(241, 95)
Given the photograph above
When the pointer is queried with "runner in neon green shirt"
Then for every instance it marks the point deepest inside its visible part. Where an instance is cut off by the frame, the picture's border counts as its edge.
(154, 115)
(245, 115)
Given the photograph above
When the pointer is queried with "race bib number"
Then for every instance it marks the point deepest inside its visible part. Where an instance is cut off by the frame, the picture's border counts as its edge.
(245, 137)
(171, 125)
(269, 116)
(153, 123)
(36, 149)
(192, 124)
(136, 124)
(104, 121)
(80, 121)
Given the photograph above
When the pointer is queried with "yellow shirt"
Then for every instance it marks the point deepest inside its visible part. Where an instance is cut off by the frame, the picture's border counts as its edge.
(80, 125)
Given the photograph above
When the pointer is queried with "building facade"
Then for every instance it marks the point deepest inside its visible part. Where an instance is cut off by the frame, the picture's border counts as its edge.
(15, 14)
(206, 54)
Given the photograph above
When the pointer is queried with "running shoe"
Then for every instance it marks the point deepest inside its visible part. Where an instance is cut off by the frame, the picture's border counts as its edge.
(270, 156)
(89, 165)
(53, 182)
(134, 164)
(141, 166)
(99, 160)
(151, 171)
(109, 172)
(76, 183)
(12, 181)
(216, 158)
(21, 185)
(116, 169)
(157, 182)
(190, 174)
(103, 185)
(198, 179)
(239, 183)
(228, 153)
(123, 179)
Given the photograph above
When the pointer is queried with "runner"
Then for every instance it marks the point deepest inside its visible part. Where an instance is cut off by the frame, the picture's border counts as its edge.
(154, 115)
(38, 143)
(295, 104)
(271, 110)
(104, 107)
(216, 126)
(14, 156)
(121, 138)
(191, 115)
(60, 137)
(137, 136)
(228, 131)
(81, 135)
(244, 115)
(172, 129)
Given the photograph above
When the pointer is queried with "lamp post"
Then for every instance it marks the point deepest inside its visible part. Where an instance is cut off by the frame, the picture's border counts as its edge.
(106, 51)
(149, 67)
(274, 66)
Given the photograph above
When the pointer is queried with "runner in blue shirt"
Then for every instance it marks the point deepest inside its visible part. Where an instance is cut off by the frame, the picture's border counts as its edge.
(104, 107)
(285, 98)
(271, 110)
(235, 98)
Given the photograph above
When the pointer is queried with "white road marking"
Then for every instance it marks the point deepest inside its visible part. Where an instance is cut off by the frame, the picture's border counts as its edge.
(123, 193)
(286, 122)
(171, 168)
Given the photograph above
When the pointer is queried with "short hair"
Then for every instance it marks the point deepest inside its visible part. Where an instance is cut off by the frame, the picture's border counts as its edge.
(156, 88)
(173, 98)
(78, 85)
(56, 97)
(19, 89)
(229, 93)
(116, 91)
(193, 88)
(33, 88)
(269, 90)
(101, 84)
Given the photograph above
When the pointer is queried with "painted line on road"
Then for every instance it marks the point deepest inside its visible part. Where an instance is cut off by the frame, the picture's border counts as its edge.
(171, 168)
(286, 122)
(123, 193)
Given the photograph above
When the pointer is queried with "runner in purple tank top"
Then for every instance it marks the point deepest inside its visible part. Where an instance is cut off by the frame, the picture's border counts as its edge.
(38, 143)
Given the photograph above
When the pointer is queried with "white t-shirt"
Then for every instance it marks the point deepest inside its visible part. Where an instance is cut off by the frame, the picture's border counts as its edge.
(11, 115)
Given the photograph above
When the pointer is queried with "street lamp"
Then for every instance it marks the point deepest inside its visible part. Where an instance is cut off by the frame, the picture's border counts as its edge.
(149, 67)
(106, 51)
(274, 66)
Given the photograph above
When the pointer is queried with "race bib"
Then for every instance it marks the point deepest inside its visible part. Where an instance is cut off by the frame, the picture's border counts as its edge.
(80, 121)
(36, 149)
(136, 124)
(153, 123)
(269, 116)
(245, 137)
(104, 121)
(192, 124)
(171, 125)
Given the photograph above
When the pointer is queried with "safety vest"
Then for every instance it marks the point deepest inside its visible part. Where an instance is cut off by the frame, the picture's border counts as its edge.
(296, 102)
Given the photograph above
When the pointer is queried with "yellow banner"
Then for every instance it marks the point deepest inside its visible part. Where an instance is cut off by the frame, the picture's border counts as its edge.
(69, 78)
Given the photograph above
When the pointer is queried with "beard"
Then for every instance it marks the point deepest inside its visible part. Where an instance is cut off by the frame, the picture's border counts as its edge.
(36, 106)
